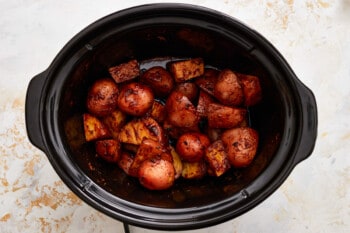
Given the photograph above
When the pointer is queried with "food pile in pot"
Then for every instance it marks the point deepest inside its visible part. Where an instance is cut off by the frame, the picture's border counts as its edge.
(184, 120)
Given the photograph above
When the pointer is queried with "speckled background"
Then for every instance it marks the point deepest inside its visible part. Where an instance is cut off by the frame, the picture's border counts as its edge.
(314, 37)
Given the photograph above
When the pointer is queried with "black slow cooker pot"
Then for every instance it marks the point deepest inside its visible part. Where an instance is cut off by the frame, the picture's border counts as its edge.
(286, 118)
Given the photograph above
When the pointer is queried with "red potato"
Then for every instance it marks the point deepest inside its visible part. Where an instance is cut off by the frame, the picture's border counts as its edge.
(148, 149)
(102, 97)
(180, 111)
(241, 145)
(191, 146)
(159, 79)
(190, 90)
(207, 81)
(108, 150)
(125, 161)
(125, 71)
(251, 89)
(135, 99)
(175, 132)
(156, 174)
(220, 116)
(204, 100)
(228, 89)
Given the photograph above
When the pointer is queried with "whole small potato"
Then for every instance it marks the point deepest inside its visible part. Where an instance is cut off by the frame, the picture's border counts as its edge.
(156, 174)
(102, 97)
(135, 99)
(228, 89)
(159, 79)
(241, 145)
(191, 146)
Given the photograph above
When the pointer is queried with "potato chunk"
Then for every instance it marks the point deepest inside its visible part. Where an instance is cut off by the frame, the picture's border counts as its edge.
(93, 128)
(125, 162)
(241, 145)
(204, 100)
(251, 89)
(220, 116)
(125, 71)
(194, 170)
(216, 158)
(159, 79)
(114, 122)
(228, 89)
(180, 110)
(108, 149)
(187, 69)
(148, 149)
(138, 129)
(207, 81)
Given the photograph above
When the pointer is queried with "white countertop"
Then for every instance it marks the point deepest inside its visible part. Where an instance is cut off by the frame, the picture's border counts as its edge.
(313, 36)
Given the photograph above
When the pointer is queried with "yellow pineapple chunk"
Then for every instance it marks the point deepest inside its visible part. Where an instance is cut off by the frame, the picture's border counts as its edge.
(93, 128)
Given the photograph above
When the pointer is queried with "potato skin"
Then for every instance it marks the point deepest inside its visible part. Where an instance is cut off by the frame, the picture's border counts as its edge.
(220, 116)
(181, 112)
(135, 99)
(228, 89)
(102, 97)
(241, 145)
(108, 150)
(156, 174)
(159, 79)
(125, 161)
(190, 90)
(192, 146)
(251, 89)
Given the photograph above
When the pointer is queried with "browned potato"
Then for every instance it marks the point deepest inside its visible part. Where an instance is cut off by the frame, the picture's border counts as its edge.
(102, 97)
(157, 112)
(125, 71)
(241, 145)
(114, 122)
(176, 162)
(159, 79)
(220, 116)
(156, 174)
(148, 149)
(138, 129)
(194, 170)
(180, 110)
(175, 132)
(187, 69)
(191, 146)
(251, 89)
(190, 90)
(125, 161)
(135, 99)
(228, 89)
(208, 80)
(204, 100)
(216, 158)
(108, 149)
(94, 129)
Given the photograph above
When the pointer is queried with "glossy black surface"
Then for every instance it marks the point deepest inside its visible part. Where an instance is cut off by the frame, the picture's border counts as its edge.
(286, 119)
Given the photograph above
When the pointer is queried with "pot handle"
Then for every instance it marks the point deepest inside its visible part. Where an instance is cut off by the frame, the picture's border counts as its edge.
(309, 123)
(32, 110)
